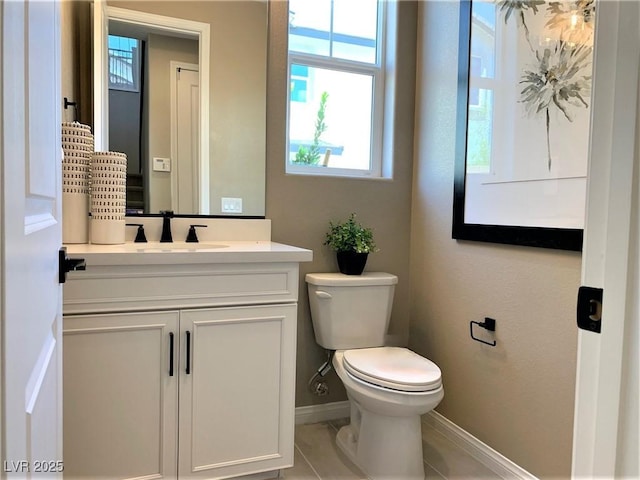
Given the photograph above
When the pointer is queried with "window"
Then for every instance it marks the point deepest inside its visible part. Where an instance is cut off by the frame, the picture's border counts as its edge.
(299, 82)
(482, 86)
(336, 83)
(124, 63)
(475, 70)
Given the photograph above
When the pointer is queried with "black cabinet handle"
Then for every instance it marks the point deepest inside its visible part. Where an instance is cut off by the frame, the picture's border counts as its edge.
(188, 369)
(171, 354)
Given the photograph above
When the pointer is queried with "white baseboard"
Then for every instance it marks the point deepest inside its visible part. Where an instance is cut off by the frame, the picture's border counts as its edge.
(323, 412)
(482, 452)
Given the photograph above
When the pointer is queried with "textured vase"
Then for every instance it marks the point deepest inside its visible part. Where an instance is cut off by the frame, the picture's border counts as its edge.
(351, 263)
(108, 197)
(77, 148)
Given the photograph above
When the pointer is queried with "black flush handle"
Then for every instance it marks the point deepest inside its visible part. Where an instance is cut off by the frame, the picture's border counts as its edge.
(66, 264)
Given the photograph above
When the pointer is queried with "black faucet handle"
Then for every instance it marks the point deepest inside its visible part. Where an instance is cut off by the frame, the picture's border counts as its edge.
(140, 236)
(191, 236)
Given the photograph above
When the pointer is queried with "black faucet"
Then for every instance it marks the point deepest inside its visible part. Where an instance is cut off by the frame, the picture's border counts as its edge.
(166, 237)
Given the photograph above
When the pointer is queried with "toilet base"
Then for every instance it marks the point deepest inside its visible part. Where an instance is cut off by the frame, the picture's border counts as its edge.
(384, 447)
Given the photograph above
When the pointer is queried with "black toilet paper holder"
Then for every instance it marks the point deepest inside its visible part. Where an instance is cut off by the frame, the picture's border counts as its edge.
(488, 324)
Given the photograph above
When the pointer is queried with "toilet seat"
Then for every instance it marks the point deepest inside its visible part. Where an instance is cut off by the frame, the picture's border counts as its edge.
(393, 367)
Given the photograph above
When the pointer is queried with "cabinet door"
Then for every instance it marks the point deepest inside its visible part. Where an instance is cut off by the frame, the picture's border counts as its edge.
(237, 402)
(120, 401)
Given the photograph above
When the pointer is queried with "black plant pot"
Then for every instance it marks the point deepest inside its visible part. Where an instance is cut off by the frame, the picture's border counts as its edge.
(351, 263)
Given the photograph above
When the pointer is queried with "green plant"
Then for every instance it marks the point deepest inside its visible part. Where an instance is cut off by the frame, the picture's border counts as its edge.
(350, 236)
(311, 156)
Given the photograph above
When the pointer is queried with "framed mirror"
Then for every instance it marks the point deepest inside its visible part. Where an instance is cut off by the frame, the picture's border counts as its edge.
(522, 139)
(194, 127)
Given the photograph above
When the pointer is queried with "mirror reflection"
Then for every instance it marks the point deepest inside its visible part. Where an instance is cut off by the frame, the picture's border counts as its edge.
(157, 101)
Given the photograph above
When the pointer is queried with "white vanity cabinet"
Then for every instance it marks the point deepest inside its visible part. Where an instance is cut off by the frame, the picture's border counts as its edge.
(120, 405)
(238, 390)
(180, 370)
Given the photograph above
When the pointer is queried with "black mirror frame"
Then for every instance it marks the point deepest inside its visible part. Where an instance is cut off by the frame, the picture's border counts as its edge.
(556, 238)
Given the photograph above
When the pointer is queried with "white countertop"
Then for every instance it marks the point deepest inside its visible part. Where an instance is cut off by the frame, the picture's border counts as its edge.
(155, 253)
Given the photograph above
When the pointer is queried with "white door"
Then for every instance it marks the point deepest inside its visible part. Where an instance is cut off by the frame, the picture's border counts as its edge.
(185, 139)
(606, 422)
(30, 239)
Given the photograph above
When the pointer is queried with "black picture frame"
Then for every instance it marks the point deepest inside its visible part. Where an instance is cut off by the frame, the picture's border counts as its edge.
(542, 237)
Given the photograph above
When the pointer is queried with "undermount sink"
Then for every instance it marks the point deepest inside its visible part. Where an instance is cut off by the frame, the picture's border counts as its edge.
(152, 247)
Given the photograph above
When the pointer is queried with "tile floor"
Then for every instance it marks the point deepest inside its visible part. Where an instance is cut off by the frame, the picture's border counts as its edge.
(318, 458)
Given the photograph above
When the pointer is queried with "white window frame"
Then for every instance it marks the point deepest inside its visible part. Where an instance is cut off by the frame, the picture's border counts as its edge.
(493, 84)
(377, 72)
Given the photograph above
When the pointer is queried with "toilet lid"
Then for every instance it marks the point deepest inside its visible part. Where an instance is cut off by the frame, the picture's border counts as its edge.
(393, 367)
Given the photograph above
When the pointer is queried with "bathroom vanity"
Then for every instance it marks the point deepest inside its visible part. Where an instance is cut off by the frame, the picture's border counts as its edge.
(179, 359)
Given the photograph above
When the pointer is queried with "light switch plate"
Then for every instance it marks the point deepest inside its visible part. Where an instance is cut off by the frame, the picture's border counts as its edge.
(231, 205)
(161, 164)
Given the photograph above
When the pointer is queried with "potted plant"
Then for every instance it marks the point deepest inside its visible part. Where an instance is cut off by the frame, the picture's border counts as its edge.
(352, 243)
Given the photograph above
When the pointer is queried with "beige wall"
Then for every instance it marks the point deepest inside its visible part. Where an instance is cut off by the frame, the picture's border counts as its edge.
(517, 397)
(75, 21)
(236, 98)
(68, 68)
(162, 50)
(301, 207)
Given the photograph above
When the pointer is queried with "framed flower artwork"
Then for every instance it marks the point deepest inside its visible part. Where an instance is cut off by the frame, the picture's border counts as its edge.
(522, 141)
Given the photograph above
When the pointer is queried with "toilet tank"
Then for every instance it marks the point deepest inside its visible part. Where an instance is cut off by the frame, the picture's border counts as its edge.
(350, 311)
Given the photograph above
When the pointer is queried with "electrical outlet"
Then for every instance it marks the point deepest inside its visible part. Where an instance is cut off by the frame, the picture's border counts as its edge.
(231, 205)
(161, 164)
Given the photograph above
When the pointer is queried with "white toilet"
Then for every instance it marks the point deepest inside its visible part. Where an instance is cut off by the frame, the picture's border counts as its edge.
(388, 387)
